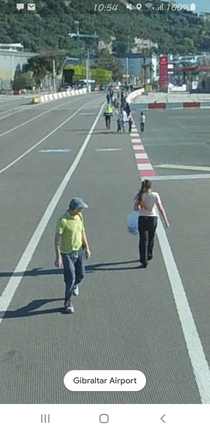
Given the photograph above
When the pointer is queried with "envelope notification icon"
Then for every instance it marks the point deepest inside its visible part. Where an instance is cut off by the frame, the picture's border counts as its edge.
(31, 6)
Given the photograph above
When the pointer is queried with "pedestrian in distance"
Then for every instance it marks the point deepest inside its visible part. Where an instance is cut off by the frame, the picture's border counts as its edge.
(111, 95)
(118, 124)
(130, 122)
(127, 109)
(145, 203)
(71, 249)
(124, 120)
(108, 115)
(142, 122)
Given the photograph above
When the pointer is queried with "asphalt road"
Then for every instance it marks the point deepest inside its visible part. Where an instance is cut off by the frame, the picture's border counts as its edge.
(125, 317)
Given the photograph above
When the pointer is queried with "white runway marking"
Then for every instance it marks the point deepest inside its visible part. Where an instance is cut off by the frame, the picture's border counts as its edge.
(136, 140)
(141, 156)
(184, 167)
(194, 347)
(138, 147)
(182, 177)
(22, 265)
(195, 350)
(107, 149)
(145, 166)
(55, 151)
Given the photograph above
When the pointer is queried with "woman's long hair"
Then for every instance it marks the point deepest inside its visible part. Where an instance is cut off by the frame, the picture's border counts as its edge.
(145, 186)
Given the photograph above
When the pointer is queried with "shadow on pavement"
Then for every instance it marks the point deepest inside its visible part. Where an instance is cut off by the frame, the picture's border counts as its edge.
(30, 309)
(39, 271)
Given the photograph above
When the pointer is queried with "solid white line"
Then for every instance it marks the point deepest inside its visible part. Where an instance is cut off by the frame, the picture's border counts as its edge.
(195, 350)
(182, 177)
(25, 259)
(34, 118)
(134, 134)
(43, 139)
(136, 140)
(184, 167)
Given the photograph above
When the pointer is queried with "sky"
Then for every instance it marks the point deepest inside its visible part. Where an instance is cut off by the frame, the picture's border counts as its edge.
(201, 5)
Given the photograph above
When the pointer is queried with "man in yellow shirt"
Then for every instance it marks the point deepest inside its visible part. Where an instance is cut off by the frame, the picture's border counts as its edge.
(71, 248)
(108, 113)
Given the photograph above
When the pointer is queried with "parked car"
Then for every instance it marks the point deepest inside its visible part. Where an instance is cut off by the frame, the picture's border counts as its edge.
(66, 87)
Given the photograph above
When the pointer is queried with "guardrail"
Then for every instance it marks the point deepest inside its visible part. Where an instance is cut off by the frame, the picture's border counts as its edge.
(133, 95)
(173, 105)
(56, 96)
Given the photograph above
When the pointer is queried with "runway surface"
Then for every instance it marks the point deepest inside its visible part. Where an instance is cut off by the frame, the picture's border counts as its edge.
(126, 318)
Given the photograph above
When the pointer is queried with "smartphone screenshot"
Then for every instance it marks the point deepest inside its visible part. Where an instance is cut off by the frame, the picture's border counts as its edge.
(104, 198)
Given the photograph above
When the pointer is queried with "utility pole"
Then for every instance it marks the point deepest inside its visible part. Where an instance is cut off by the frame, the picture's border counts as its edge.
(127, 71)
(85, 36)
(54, 75)
(88, 70)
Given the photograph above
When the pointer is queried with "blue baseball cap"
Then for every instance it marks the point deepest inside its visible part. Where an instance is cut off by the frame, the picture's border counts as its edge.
(77, 203)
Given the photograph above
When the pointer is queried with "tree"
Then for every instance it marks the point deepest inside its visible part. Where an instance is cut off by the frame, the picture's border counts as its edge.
(111, 63)
(24, 81)
(42, 65)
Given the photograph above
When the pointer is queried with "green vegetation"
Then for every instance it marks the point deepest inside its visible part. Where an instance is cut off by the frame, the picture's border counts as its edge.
(42, 64)
(101, 76)
(24, 81)
(48, 27)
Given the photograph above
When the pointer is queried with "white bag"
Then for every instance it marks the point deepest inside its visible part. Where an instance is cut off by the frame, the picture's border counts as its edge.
(132, 222)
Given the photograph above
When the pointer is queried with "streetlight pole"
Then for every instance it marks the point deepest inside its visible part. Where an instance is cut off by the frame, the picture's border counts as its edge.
(85, 36)
(87, 69)
(54, 83)
(127, 71)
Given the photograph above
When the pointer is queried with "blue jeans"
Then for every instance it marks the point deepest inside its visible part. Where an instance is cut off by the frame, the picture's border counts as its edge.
(74, 271)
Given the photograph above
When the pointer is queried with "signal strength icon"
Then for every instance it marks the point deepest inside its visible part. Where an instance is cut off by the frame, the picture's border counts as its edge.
(149, 5)
(160, 8)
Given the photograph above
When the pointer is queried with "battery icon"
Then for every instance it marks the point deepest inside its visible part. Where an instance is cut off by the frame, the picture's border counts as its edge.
(192, 7)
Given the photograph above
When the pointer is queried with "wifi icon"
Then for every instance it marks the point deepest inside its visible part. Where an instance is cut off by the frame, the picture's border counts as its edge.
(149, 5)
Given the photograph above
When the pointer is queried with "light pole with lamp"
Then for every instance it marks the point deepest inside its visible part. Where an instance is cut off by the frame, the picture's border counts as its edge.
(84, 36)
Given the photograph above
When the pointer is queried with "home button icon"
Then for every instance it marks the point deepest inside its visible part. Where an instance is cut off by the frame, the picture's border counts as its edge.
(104, 418)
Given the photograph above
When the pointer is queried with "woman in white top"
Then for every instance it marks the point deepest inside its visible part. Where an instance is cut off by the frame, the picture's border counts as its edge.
(142, 122)
(145, 202)
(125, 119)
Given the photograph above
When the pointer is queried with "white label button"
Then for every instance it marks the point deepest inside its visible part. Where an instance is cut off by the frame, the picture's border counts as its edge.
(104, 380)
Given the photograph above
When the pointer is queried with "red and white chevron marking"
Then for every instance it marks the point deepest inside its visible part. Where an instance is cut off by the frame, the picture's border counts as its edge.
(143, 163)
(55, 96)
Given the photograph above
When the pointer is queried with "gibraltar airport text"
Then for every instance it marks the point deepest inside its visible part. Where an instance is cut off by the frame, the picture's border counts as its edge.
(113, 380)
(104, 380)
